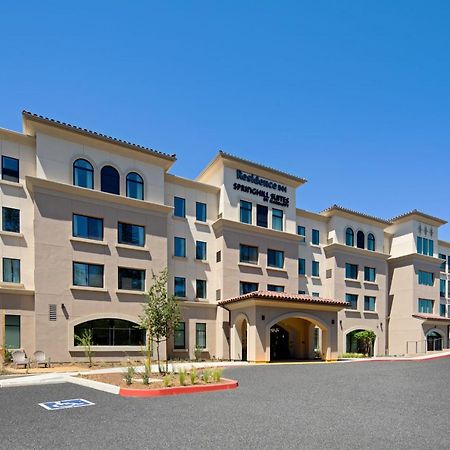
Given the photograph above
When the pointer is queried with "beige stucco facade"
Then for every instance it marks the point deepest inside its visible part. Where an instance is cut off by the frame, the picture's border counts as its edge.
(308, 256)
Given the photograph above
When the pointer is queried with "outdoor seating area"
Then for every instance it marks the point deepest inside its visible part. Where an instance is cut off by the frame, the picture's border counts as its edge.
(39, 359)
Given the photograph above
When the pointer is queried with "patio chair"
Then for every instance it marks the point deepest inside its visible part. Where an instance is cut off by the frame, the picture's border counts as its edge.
(40, 358)
(20, 359)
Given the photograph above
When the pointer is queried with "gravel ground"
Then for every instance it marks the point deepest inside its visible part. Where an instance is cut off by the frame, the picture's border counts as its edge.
(401, 405)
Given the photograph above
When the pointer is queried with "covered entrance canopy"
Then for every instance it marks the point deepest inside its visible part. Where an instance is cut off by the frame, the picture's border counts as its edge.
(436, 331)
(267, 325)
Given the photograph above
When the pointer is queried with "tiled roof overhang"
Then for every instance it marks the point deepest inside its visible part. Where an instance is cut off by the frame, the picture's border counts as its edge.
(432, 317)
(284, 297)
(48, 121)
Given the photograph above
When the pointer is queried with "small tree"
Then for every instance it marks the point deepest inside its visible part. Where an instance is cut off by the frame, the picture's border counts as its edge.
(366, 339)
(86, 341)
(161, 314)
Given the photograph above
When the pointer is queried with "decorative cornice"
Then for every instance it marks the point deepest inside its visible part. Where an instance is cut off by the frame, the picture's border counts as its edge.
(341, 248)
(220, 224)
(36, 184)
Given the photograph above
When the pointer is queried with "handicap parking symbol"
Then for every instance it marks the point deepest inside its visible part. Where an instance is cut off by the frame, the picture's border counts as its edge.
(66, 404)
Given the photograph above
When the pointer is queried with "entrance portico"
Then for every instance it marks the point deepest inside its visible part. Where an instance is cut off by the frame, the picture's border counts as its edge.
(265, 326)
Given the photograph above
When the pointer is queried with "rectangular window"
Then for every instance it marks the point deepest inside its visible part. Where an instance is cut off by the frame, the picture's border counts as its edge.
(275, 258)
(277, 219)
(245, 287)
(315, 268)
(315, 294)
(200, 211)
(11, 220)
(301, 266)
(179, 287)
(369, 303)
(179, 207)
(131, 279)
(426, 278)
(444, 259)
(131, 234)
(179, 336)
(218, 256)
(248, 254)
(10, 169)
(442, 288)
(12, 331)
(353, 300)
(11, 270)
(87, 275)
(275, 288)
(301, 292)
(351, 271)
(442, 309)
(425, 246)
(200, 251)
(426, 306)
(369, 273)
(301, 231)
(315, 237)
(261, 215)
(245, 215)
(200, 335)
(179, 247)
(200, 289)
(87, 227)
(218, 294)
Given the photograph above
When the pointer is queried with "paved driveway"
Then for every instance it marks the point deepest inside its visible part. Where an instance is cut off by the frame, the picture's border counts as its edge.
(360, 405)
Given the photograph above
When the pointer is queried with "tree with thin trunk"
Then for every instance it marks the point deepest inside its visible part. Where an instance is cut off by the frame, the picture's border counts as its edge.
(161, 315)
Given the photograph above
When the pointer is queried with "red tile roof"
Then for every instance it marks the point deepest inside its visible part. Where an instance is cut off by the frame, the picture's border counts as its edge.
(285, 297)
(424, 316)
(95, 134)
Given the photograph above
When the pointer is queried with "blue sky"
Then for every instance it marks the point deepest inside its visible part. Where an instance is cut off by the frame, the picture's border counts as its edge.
(354, 96)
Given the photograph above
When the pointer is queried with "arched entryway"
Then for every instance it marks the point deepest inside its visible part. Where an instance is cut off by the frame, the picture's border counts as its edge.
(434, 341)
(297, 337)
(239, 350)
(353, 345)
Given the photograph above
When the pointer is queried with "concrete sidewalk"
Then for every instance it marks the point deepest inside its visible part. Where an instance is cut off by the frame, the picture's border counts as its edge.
(68, 377)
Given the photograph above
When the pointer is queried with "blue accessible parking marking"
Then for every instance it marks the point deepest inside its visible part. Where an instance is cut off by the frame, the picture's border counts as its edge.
(66, 404)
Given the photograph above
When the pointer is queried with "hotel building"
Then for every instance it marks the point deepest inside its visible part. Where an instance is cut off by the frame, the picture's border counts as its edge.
(87, 218)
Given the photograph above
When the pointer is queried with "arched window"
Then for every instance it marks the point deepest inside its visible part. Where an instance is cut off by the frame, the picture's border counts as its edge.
(110, 180)
(135, 186)
(349, 237)
(111, 332)
(371, 242)
(83, 174)
(360, 238)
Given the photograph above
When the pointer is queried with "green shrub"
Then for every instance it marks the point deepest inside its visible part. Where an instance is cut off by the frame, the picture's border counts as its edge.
(193, 375)
(167, 380)
(217, 375)
(7, 356)
(352, 355)
(205, 376)
(182, 377)
(129, 374)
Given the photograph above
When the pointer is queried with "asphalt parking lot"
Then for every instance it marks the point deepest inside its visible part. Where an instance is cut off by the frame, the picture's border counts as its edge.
(401, 405)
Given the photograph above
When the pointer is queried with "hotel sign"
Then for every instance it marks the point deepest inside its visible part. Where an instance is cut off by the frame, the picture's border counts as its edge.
(266, 195)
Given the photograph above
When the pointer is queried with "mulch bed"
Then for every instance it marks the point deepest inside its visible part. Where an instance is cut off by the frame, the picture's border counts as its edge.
(117, 379)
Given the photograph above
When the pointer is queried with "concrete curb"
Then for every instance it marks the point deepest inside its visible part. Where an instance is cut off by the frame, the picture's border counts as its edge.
(414, 359)
(179, 390)
(105, 387)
